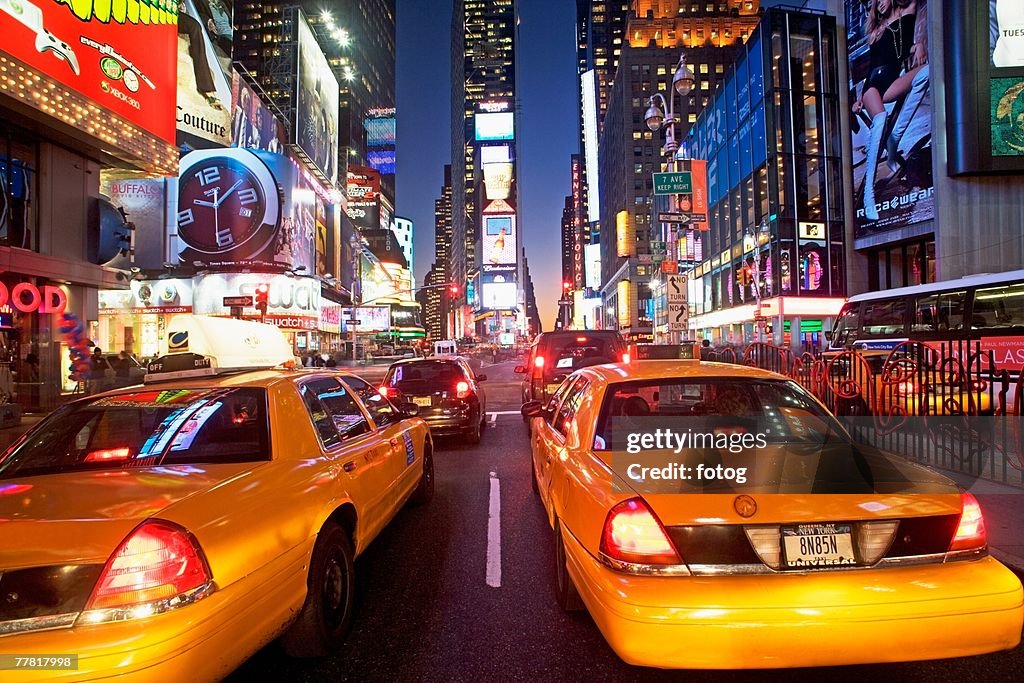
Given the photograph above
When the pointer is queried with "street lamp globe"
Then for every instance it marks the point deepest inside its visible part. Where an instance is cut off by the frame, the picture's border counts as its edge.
(682, 80)
(654, 117)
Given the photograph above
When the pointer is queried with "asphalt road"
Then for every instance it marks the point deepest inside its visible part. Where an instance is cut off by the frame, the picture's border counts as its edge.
(425, 610)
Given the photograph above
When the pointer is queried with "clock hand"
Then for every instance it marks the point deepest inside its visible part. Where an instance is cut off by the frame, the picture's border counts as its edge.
(230, 190)
(200, 202)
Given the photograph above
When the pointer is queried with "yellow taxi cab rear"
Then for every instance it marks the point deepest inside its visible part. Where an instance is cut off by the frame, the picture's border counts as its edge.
(797, 566)
(169, 531)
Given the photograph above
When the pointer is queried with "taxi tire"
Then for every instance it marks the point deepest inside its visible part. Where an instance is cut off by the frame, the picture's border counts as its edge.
(331, 569)
(424, 493)
(566, 595)
(533, 476)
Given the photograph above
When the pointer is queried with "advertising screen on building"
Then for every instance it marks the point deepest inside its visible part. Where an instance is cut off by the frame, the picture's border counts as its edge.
(148, 296)
(293, 302)
(494, 126)
(499, 239)
(243, 206)
(499, 295)
(370, 318)
(119, 54)
(204, 73)
(380, 131)
(592, 261)
(316, 113)
(253, 125)
(891, 126)
(1006, 42)
(588, 85)
(497, 179)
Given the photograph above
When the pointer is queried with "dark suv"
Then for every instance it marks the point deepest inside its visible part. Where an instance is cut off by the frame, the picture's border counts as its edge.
(554, 355)
(446, 391)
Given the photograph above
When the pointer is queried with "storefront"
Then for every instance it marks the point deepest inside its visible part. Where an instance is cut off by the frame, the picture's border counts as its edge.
(135, 319)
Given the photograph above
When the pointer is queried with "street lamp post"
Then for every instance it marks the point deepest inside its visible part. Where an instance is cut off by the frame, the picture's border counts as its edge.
(655, 118)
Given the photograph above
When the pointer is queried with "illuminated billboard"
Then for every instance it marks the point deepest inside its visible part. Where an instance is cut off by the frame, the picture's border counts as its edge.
(498, 180)
(363, 190)
(592, 265)
(120, 54)
(204, 73)
(892, 151)
(370, 318)
(499, 295)
(253, 125)
(588, 86)
(293, 302)
(316, 113)
(382, 161)
(494, 126)
(499, 239)
(625, 235)
(379, 131)
(243, 206)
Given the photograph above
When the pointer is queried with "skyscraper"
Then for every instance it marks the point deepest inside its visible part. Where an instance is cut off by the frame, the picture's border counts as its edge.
(568, 238)
(657, 32)
(483, 106)
(358, 39)
(439, 298)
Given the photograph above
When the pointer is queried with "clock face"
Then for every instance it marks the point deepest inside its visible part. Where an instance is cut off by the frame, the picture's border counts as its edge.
(223, 205)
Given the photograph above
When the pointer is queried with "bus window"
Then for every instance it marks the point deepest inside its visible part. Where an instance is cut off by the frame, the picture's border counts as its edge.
(939, 312)
(847, 326)
(998, 307)
(884, 318)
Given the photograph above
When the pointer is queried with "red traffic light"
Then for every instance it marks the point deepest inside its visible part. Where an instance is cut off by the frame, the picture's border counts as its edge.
(262, 297)
(566, 285)
(454, 289)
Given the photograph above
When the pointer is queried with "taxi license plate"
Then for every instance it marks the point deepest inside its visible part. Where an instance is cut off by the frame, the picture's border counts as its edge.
(424, 401)
(818, 545)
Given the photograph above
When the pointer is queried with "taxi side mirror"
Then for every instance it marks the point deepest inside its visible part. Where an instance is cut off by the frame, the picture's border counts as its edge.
(533, 409)
(520, 370)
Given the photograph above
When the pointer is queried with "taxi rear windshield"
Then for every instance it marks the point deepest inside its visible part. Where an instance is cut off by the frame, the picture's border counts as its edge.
(565, 353)
(146, 428)
(782, 409)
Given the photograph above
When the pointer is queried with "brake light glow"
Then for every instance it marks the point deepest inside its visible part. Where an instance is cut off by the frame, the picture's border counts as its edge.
(970, 533)
(108, 454)
(625, 358)
(158, 561)
(383, 391)
(632, 533)
(462, 390)
(581, 339)
(538, 362)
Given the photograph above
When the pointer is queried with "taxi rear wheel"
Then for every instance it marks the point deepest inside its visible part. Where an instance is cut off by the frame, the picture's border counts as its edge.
(425, 491)
(566, 595)
(326, 616)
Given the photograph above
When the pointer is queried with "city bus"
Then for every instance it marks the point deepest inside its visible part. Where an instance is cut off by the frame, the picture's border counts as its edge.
(985, 309)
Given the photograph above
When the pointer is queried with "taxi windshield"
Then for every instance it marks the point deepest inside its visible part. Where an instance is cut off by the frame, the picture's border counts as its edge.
(780, 409)
(146, 428)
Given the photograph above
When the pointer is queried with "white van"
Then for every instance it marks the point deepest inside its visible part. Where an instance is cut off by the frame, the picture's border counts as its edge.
(447, 347)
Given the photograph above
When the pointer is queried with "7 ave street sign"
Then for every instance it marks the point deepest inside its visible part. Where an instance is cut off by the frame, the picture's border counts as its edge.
(673, 183)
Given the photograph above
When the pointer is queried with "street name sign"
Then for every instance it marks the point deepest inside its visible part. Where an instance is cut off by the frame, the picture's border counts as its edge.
(673, 218)
(237, 301)
(673, 183)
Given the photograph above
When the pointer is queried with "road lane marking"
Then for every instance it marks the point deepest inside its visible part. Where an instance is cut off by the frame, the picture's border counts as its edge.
(506, 412)
(494, 534)
(492, 418)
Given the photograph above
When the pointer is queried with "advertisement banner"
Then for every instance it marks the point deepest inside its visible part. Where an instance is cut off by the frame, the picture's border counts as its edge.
(238, 206)
(204, 73)
(891, 119)
(494, 126)
(498, 180)
(118, 53)
(499, 239)
(253, 125)
(592, 260)
(148, 296)
(144, 202)
(330, 319)
(625, 235)
(293, 302)
(499, 295)
(316, 113)
(370, 318)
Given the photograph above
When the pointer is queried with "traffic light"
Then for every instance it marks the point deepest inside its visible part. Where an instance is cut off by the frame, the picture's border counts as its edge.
(454, 289)
(262, 298)
(566, 285)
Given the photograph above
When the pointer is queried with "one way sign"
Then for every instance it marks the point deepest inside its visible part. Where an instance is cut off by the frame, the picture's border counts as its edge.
(678, 318)
(676, 289)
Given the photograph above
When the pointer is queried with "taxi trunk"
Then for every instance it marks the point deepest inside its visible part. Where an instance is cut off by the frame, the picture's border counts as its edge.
(58, 531)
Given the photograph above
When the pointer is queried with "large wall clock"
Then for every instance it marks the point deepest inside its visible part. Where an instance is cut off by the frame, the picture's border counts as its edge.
(229, 204)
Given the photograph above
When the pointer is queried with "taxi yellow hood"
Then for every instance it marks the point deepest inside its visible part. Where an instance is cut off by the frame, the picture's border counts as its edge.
(81, 517)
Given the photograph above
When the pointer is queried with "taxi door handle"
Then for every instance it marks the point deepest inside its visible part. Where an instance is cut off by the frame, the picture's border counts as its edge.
(349, 466)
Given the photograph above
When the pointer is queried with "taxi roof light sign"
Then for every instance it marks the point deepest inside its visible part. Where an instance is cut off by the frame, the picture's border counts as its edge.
(665, 352)
(204, 345)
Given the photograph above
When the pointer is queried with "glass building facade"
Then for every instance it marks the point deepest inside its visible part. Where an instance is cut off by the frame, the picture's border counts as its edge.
(774, 251)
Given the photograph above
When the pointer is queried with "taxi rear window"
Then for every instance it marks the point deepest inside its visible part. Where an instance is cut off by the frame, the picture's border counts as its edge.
(146, 428)
(780, 408)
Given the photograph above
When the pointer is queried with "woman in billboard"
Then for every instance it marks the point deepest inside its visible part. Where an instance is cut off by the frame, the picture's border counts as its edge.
(896, 58)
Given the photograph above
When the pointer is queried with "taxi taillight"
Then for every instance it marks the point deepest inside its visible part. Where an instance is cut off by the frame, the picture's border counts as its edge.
(157, 563)
(634, 534)
(970, 532)
(462, 389)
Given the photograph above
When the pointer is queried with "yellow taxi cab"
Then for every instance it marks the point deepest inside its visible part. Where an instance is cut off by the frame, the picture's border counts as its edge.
(166, 532)
(796, 548)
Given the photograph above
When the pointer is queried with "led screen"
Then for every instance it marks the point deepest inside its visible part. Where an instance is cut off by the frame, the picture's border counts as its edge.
(499, 239)
(497, 126)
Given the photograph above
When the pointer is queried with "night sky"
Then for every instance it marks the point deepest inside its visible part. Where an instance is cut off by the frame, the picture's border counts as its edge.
(547, 127)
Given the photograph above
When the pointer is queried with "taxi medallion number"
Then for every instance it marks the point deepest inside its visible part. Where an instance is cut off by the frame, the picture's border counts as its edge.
(818, 545)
